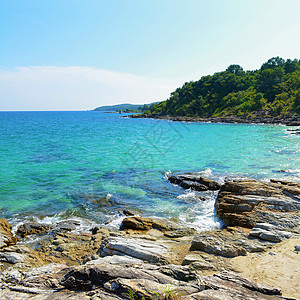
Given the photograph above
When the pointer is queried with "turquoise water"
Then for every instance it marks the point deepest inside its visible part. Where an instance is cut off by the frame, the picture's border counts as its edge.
(91, 165)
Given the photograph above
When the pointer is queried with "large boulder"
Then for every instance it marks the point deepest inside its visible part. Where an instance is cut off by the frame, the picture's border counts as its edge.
(247, 202)
(6, 236)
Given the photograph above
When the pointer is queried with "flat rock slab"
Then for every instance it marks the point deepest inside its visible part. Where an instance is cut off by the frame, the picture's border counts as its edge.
(137, 248)
(227, 243)
(115, 260)
(217, 246)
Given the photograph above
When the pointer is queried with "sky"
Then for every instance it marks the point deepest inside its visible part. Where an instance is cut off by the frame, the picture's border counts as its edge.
(81, 54)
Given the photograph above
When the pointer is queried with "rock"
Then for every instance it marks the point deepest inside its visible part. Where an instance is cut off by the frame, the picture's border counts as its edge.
(11, 257)
(196, 186)
(136, 223)
(67, 225)
(247, 202)
(297, 247)
(229, 286)
(148, 281)
(271, 237)
(33, 228)
(11, 275)
(140, 223)
(197, 262)
(293, 123)
(180, 232)
(127, 212)
(90, 276)
(116, 259)
(217, 246)
(137, 248)
(232, 277)
(6, 236)
(269, 232)
(194, 181)
(108, 281)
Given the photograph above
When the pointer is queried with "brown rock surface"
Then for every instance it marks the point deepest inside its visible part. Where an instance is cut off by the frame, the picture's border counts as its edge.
(6, 236)
(32, 228)
(246, 202)
(140, 223)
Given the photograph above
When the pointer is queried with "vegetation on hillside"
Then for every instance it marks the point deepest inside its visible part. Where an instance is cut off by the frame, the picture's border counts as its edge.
(126, 107)
(274, 89)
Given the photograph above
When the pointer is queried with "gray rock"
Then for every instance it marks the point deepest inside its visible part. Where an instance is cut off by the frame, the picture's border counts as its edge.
(68, 225)
(12, 257)
(116, 259)
(269, 232)
(180, 232)
(297, 248)
(11, 275)
(137, 248)
(271, 237)
(214, 245)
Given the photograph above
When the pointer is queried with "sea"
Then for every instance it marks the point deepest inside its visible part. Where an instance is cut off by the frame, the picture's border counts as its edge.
(90, 166)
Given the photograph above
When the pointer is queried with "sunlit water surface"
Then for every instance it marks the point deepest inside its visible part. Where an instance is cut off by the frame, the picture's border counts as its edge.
(92, 165)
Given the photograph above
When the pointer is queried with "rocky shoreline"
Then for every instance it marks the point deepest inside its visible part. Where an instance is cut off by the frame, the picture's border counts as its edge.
(149, 258)
(261, 118)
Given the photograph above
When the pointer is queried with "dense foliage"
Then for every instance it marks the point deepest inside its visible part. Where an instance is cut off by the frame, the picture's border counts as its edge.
(274, 89)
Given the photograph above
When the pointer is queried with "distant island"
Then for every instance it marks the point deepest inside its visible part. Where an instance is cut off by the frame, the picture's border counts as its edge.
(271, 92)
(126, 107)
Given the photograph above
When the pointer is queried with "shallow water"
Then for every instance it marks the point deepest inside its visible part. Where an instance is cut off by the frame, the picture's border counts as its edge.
(91, 165)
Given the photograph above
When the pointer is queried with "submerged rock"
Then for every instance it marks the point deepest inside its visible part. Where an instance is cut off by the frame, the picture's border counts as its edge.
(195, 182)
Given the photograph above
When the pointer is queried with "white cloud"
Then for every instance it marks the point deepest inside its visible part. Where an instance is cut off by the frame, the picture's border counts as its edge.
(77, 88)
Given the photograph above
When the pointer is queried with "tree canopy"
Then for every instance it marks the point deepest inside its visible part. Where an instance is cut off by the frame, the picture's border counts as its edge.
(274, 88)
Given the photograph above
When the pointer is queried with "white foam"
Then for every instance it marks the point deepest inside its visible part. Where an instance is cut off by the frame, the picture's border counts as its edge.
(188, 196)
(115, 221)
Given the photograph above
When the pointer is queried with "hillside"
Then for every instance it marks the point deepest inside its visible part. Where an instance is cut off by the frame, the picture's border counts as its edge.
(126, 107)
(116, 107)
(273, 90)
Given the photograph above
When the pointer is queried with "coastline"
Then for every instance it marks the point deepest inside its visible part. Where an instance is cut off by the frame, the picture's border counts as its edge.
(290, 120)
(260, 242)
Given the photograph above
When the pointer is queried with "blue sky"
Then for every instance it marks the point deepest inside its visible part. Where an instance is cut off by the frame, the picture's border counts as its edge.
(79, 54)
